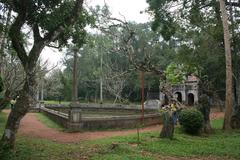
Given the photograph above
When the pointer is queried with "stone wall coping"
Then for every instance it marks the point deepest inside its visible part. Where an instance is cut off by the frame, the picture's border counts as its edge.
(129, 117)
(57, 113)
(82, 106)
(104, 105)
(123, 117)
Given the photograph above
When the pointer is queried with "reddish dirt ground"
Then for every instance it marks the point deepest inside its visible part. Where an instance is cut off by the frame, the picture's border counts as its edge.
(32, 127)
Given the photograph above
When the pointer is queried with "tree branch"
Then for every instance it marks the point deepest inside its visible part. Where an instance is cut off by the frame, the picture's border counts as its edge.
(17, 40)
(37, 46)
(40, 43)
(235, 4)
(53, 35)
(53, 46)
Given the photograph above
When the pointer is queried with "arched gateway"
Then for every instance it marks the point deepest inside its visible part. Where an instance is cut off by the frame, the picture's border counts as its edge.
(186, 93)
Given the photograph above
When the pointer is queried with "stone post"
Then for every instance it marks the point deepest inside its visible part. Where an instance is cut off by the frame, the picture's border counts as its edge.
(75, 115)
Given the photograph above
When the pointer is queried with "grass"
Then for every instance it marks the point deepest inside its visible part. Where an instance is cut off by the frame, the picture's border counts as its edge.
(47, 121)
(57, 102)
(3, 119)
(220, 144)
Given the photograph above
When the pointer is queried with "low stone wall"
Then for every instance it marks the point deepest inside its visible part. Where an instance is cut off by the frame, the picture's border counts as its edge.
(111, 108)
(73, 121)
(130, 121)
(58, 117)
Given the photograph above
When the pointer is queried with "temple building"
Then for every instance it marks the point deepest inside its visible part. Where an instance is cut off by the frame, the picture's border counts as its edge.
(186, 93)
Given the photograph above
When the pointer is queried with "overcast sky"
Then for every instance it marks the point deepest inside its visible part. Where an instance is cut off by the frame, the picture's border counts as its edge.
(130, 9)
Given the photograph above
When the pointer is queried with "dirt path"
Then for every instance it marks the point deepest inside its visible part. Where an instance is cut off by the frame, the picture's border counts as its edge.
(32, 127)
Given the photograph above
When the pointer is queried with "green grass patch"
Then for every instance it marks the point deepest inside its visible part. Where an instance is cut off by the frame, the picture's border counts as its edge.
(41, 149)
(48, 122)
(219, 144)
(3, 119)
(217, 124)
(57, 102)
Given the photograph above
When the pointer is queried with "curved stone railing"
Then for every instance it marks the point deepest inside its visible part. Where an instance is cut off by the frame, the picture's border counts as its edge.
(75, 121)
(59, 117)
(101, 108)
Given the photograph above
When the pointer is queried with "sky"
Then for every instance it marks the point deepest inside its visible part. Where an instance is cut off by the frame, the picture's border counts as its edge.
(130, 9)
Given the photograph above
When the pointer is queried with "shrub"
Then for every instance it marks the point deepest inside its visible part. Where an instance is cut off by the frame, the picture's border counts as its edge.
(191, 120)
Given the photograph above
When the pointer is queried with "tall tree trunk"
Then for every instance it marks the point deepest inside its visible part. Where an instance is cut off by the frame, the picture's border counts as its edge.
(25, 101)
(204, 107)
(235, 56)
(75, 79)
(168, 126)
(229, 82)
(238, 88)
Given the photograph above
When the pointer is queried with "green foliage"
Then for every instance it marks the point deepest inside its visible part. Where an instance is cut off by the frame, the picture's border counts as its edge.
(49, 15)
(54, 86)
(116, 62)
(198, 36)
(175, 73)
(191, 120)
(164, 22)
(195, 14)
(207, 58)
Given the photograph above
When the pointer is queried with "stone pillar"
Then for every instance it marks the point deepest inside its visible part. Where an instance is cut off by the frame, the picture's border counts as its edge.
(184, 100)
(196, 97)
(75, 115)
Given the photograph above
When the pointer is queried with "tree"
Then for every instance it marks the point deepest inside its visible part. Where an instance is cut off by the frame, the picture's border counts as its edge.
(51, 22)
(4, 27)
(229, 81)
(54, 88)
(204, 108)
(198, 17)
(114, 79)
(13, 79)
(127, 42)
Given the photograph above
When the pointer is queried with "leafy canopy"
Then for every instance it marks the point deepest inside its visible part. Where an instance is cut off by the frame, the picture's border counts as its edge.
(49, 15)
(176, 73)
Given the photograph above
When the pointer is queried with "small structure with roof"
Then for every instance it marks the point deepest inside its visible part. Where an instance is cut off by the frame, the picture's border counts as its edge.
(186, 93)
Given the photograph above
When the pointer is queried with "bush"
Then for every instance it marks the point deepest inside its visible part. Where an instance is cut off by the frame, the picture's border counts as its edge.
(191, 120)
